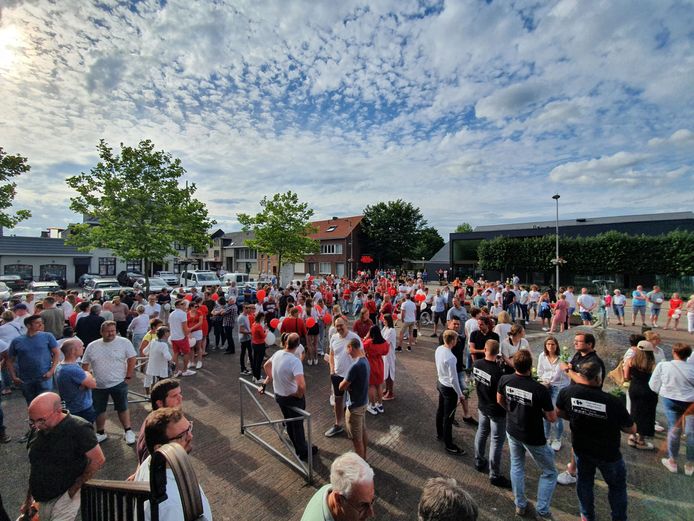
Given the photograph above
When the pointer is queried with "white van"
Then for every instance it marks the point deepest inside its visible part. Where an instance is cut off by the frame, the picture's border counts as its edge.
(198, 279)
(239, 278)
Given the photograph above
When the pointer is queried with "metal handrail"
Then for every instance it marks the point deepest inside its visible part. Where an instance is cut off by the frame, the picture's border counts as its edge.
(305, 469)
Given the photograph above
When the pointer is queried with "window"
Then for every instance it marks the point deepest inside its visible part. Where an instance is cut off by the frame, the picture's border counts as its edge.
(25, 271)
(331, 248)
(331, 228)
(245, 254)
(107, 265)
(52, 270)
(179, 246)
(312, 268)
(340, 269)
(133, 265)
(325, 268)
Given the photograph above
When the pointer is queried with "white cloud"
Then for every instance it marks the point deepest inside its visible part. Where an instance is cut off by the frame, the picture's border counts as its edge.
(682, 136)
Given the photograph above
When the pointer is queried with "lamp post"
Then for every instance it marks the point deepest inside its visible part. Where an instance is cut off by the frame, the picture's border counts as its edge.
(556, 245)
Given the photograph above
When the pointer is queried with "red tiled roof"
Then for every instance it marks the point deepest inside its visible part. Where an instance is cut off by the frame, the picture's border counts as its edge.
(342, 227)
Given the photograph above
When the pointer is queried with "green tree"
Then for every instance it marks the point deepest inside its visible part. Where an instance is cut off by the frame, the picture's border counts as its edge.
(140, 208)
(11, 166)
(392, 230)
(281, 228)
(463, 228)
(430, 241)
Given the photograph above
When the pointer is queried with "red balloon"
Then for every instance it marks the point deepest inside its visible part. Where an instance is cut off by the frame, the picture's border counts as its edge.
(419, 297)
(311, 322)
(260, 294)
(392, 292)
(327, 319)
(300, 309)
(274, 323)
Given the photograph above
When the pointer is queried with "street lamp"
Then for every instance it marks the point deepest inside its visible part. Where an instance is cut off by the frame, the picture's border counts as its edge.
(556, 245)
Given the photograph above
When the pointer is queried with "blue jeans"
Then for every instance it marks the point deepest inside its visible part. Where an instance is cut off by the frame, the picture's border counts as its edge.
(32, 388)
(674, 410)
(496, 426)
(544, 459)
(559, 424)
(615, 475)
(2, 420)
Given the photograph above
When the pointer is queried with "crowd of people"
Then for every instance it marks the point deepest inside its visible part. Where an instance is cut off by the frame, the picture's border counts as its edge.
(69, 356)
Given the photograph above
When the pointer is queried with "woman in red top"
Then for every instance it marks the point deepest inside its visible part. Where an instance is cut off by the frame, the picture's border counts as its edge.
(376, 348)
(204, 311)
(258, 336)
(294, 324)
(195, 319)
(362, 326)
(675, 310)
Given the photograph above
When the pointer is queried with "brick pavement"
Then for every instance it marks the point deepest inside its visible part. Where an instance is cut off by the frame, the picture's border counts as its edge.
(243, 481)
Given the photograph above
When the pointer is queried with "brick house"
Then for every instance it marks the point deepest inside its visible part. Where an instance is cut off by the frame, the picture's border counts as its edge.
(340, 247)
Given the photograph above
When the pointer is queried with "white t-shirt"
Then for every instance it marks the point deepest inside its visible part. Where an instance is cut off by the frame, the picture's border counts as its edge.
(570, 299)
(585, 302)
(508, 349)
(534, 296)
(503, 330)
(470, 326)
(4, 346)
(152, 311)
(10, 331)
(409, 311)
(619, 300)
(67, 309)
(159, 356)
(172, 508)
(285, 368)
(176, 320)
(338, 346)
(109, 360)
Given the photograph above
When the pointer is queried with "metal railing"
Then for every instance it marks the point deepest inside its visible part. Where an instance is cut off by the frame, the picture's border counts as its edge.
(293, 460)
(108, 500)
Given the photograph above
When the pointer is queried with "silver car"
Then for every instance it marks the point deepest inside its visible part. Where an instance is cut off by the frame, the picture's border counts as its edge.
(5, 292)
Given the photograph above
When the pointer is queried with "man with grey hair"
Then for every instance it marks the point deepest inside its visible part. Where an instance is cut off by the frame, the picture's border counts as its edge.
(443, 499)
(349, 496)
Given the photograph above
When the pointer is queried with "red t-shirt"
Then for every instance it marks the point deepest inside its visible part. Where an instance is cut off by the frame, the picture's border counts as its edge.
(257, 334)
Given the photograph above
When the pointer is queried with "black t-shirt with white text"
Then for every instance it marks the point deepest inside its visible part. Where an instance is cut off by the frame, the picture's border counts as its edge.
(479, 339)
(526, 401)
(487, 375)
(596, 419)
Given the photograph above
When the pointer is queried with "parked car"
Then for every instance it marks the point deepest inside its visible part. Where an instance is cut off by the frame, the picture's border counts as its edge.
(128, 278)
(41, 289)
(156, 284)
(5, 292)
(246, 296)
(52, 277)
(199, 279)
(169, 277)
(85, 277)
(239, 278)
(14, 282)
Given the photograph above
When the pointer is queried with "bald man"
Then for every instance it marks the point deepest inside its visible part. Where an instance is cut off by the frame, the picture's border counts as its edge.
(63, 454)
(74, 383)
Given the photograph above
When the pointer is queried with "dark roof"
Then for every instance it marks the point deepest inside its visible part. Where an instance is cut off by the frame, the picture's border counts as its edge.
(237, 239)
(38, 246)
(588, 221)
(443, 255)
(335, 228)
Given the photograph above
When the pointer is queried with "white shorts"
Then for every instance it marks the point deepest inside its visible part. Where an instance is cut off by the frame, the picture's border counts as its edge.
(197, 335)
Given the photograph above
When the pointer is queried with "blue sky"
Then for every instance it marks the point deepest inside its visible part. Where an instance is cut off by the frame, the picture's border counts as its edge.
(475, 111)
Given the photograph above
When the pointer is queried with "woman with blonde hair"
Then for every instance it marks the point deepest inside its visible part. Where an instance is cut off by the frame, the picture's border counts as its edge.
(503, 324)
(675, 311)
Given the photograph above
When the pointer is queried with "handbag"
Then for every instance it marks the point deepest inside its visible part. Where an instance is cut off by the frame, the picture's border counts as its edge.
(617, 374)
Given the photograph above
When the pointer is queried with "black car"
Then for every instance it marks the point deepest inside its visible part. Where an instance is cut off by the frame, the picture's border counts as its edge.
(14, 282)
(52, 277)
(128, 278)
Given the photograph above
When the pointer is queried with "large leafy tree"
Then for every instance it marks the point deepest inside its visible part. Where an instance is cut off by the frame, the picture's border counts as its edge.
(463, 228)
(140, 208)
(281, 228)
(11, 166)
(430, 241)
(393, 230)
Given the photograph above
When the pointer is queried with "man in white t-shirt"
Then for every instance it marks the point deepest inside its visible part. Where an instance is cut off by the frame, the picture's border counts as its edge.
(286, 372)
(178, 324)
(112, 361)
(152, 308)
(408, 311)
(586, 304)
(571, 301)
(169, 425)
(340, 362)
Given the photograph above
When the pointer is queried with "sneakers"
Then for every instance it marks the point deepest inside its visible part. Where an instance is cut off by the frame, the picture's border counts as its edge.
(500, 481)
(564, 478)
(556, 445)
(544, 517)
(198, 365)
(470, 421)
(178, 374)
(409, 348)
(658, 427)
(398, 349)
(5, 438)
(521, 511)
(372, 410)
(688, 469)
(191, 365)
(129, 437)
(379, 408)
(334, 431)
(101, 437)
(672, 467)
(454, 449)
(188, 372)
(245, 372)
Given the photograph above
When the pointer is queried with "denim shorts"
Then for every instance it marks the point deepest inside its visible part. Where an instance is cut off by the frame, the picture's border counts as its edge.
(119, 393)
(586, 315)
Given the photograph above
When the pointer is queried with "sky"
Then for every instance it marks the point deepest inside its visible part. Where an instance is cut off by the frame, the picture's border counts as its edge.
(474, 111)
